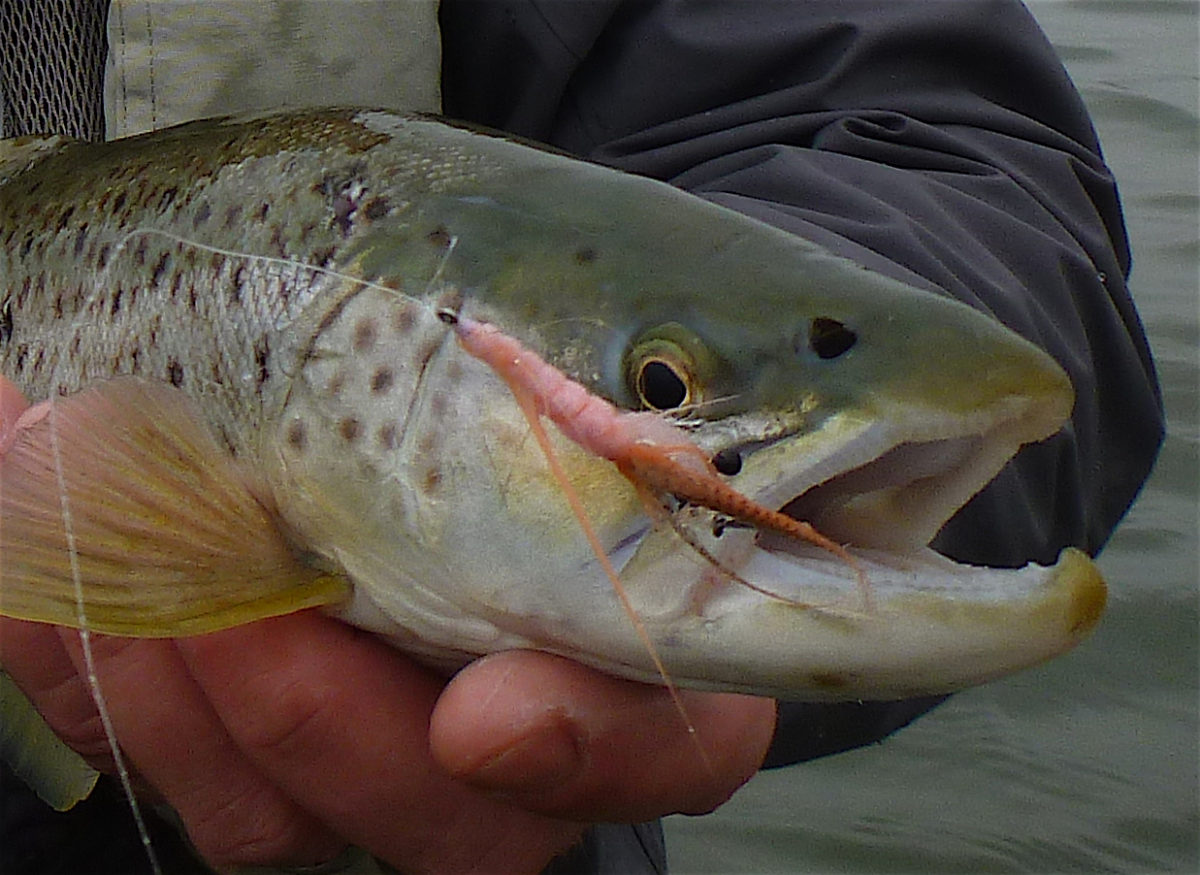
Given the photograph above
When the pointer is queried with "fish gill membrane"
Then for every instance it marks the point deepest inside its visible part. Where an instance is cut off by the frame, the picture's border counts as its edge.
(258, 410)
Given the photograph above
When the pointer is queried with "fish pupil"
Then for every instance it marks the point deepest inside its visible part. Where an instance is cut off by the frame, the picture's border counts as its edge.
(660, 386)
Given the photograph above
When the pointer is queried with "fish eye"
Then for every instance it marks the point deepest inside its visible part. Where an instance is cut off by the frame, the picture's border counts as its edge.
(667, 368)
(829, 338)
(662, 385)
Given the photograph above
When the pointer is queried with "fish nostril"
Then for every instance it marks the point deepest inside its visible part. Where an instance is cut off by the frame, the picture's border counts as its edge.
(829, 338)
(728, 461)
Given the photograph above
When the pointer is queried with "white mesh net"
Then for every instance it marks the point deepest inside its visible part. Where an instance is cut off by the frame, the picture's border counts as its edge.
(52, 67)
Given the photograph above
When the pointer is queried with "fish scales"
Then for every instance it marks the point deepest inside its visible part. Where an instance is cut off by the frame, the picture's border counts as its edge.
(101, 294)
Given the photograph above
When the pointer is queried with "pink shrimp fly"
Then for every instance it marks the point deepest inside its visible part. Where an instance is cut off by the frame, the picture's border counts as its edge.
(654, 455)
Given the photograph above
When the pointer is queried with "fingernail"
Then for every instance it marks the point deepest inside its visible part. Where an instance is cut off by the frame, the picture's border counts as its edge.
(549, 754)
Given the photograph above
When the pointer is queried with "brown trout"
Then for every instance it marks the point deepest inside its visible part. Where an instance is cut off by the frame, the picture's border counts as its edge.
(257, 410)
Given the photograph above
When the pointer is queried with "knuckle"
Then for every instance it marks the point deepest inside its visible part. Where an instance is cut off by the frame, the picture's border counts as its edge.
(297, 725)
(247, 827)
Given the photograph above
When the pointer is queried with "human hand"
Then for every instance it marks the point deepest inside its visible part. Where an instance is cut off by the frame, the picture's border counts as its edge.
(283, 740)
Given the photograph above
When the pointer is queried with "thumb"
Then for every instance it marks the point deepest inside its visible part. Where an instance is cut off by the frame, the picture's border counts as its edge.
(562, 739)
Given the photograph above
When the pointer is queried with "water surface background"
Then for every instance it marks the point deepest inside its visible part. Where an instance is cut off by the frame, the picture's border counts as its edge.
(1087, 764)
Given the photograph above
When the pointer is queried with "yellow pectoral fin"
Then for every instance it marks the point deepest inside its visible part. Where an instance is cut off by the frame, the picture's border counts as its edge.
(123, 491)
(56, 773)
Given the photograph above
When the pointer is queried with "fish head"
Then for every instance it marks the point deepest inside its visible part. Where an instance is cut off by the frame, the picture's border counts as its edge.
(867, 407)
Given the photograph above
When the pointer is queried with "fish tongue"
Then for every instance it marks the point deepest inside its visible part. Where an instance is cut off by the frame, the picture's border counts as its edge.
(168, 536)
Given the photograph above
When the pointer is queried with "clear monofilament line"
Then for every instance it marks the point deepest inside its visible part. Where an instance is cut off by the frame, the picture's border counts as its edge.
(85, 641)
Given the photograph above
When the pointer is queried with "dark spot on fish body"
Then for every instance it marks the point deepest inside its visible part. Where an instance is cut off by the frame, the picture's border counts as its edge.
(22, 296)
(174, 372)
(439, 237)
(21, 357)
(155, 329)
(160, 268)
(57, 305)
(382, 380)
(343, 215)
(233, 216)
(376, 209)
(139, 253)
(586, 255)
(350, 429)
(102, 256)
(118, 203)
(115, 304)
(236, 285)
(403, 320)
(264, 209)
(323, 257)
(364, 335)
(6, 322)
(81, 237)
(262, 355)
(297, 435)
(203, 214)
(388, 436)
(167, 198)
(63, 218)
(431, 481)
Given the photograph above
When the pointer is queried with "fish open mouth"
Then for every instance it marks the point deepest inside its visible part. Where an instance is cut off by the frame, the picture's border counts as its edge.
(915, 622)
(881, 493)
(895, 502)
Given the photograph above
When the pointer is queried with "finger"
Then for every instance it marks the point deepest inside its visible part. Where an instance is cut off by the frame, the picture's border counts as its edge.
(173, 738)
(340, 721)
(34, 656)
(565, 740)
